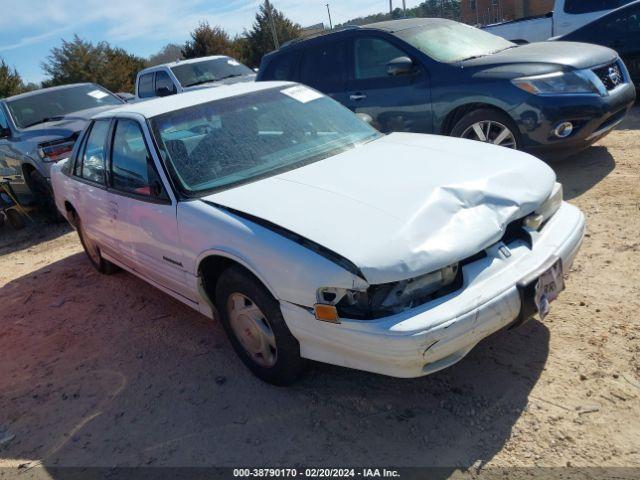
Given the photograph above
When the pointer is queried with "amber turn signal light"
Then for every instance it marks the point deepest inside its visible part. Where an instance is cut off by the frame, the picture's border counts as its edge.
(326, 313)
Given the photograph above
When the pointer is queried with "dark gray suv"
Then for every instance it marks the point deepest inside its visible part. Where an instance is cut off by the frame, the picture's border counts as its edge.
(39, 128)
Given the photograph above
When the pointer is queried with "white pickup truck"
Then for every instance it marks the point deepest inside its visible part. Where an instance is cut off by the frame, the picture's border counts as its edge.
(567, 16)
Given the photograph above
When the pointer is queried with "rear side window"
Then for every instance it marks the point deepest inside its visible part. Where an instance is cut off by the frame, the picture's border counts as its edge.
(372, 56)
(577, 7)
(90, 165)
(145, 86)
(163, 80)
(324, 66)
(132, 169)
(281, 67)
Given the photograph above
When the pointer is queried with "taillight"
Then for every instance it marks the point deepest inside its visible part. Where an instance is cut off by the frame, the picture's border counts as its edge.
(54, 152)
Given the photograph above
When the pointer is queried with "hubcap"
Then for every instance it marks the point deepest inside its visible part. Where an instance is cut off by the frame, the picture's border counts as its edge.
(489, 131)
(252, 330)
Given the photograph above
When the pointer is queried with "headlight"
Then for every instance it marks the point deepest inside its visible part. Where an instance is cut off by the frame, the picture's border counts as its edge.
(545, 211)
(559, 83)
(389, 298)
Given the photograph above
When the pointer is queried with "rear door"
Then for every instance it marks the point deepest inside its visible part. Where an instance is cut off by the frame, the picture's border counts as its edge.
(398, 103)
(147, 211)
(323, 66)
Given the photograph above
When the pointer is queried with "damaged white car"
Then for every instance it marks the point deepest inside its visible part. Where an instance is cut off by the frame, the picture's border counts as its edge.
(315, 236)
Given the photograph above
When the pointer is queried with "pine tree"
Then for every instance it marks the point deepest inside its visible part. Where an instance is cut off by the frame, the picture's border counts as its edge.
(207, 40)
(10, 80)
(260, 37)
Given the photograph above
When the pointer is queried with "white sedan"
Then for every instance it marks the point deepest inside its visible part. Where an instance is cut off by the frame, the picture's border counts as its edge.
(315, 236)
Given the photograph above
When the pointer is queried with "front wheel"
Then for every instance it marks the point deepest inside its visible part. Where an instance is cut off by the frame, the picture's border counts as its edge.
(488, 126)
(256, 328)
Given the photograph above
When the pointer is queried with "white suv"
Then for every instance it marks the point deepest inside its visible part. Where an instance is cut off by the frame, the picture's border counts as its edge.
(196, 73)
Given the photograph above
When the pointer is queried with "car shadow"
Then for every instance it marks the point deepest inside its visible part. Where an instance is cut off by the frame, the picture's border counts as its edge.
(38, 228)
(106, 370)
(583, 171)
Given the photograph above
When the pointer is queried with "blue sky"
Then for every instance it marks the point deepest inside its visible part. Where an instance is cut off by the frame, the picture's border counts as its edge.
(29, 28)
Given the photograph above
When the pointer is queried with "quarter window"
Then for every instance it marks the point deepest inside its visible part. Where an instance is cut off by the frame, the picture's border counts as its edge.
(281, 68)
(132, 169)
(372, 56)
(145, 86)
(91, 164)
(324, 67)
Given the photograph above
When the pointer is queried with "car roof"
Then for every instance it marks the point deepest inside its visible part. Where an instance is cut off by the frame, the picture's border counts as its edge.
(49, 89)
(182, 62)
(160, 105)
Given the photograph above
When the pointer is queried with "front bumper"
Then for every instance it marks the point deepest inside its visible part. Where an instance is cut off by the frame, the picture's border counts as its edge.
(593, 117)
(440, 333)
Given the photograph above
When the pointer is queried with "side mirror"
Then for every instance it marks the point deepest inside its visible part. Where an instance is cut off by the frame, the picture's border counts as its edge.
(163, 92)
(400, 66)
(5, 132)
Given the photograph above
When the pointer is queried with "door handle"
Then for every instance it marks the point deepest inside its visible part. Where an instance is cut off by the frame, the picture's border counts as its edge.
(357, 96)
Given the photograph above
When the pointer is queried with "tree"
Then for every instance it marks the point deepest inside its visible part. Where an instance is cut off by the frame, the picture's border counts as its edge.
(207, 40)
(260, 37)
(10, 80)
(169, 53)
(81, 61)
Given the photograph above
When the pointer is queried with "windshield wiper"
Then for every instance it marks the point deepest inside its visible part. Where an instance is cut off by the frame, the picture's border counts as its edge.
(45, 120)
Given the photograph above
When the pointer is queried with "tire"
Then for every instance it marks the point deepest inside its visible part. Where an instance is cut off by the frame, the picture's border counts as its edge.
(44, 197)
(267, 348)
(93, 252)
(15, 219)
(497, 123)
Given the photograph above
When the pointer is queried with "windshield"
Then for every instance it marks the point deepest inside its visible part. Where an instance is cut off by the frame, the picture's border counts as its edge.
(448, 41)
(40, 107)
(220, 144)
(189, 74)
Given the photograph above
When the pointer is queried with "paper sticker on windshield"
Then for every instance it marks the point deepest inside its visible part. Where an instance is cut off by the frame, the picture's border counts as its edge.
(301, 94)
(233, 63)
(97, 94)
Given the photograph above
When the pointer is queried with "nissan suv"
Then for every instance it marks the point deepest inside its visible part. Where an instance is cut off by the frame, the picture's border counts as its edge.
(40, 128)
(431, 75)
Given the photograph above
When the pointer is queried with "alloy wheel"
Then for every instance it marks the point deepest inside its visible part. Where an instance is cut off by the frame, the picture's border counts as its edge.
(252, 330)
(489, 131)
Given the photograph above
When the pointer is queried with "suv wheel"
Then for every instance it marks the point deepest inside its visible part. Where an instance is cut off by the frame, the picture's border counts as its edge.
(488, 126)
(258, 333)
(44, 196)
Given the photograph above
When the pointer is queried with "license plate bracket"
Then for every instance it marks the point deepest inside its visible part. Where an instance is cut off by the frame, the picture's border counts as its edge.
(540, 288)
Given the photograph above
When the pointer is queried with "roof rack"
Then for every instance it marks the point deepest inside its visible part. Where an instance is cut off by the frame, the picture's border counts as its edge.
(319, 34)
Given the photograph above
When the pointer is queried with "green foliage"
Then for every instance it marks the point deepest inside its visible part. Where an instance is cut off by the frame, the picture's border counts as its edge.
(429, 8)
(78, 61)
(260, 39)
(10, 81)
(207, 40)
(169, 53)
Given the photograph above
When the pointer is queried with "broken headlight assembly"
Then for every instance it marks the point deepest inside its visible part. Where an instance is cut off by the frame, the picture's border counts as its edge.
(387, 299)
(545, 211)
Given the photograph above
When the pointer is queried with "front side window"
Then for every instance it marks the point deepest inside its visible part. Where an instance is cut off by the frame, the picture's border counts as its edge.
(90, 165)
(163, 81)
(447, 41)
(50, 105)
(145, 86)
(217, 145)
(197, 73)
(325, 66)
(372, 56)
(577, 7)
(132, 169)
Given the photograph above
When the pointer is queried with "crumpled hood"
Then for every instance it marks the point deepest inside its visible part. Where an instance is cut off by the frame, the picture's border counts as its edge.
(562, 54)
(403, 205)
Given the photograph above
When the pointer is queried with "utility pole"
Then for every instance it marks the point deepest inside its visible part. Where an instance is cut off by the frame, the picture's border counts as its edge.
(390, 6)
(273, 25)
(329, 12)
(404, 7)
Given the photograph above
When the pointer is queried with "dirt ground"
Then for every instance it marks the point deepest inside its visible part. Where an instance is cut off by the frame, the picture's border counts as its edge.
(105, 370)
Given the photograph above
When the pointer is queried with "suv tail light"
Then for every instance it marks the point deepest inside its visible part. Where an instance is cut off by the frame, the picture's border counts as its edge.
(56, 151)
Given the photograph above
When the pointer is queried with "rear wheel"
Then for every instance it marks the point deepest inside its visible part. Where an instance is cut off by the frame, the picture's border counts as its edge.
(488, 126)
(256, 328)
(93, 251)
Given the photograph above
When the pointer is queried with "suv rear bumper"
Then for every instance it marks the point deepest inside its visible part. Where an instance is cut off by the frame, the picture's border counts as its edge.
(438, 334)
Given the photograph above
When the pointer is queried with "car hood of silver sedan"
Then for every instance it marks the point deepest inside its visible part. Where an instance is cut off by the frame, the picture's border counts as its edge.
(402, 205)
